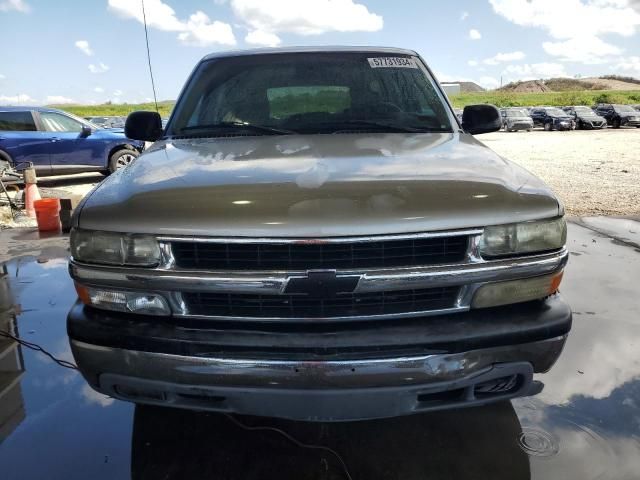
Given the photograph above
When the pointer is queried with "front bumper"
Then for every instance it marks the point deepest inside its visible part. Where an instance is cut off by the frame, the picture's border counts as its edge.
(520, 125)
(329, 372)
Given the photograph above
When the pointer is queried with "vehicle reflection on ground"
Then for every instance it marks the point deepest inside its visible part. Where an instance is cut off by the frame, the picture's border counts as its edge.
(459, 444)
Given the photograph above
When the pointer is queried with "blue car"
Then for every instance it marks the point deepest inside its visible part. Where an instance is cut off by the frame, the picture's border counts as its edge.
(56, 142)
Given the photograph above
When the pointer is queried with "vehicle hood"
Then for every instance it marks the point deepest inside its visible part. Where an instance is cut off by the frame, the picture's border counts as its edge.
(561, 117)
(590, 116)
(316, 185)
(629, 114)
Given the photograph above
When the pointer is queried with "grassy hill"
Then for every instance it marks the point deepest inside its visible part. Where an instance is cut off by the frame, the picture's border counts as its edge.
(111, 109)
(502, 98)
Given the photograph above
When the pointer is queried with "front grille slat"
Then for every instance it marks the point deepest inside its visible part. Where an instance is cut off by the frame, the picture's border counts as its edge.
(303, 306)
(301, 256)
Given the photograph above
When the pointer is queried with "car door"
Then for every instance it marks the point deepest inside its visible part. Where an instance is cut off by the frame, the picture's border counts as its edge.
(22, 142)
(537, 116)
(71, 151)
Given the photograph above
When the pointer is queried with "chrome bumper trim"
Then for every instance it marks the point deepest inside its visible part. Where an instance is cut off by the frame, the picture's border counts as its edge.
(95, 360)
(273, 283)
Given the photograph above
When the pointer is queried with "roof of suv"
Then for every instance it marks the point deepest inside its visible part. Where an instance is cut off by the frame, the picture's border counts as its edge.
(319, 49)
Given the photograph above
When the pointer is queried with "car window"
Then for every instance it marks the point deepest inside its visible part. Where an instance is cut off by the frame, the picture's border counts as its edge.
(17, 121)
(311, 93)
(56, 122)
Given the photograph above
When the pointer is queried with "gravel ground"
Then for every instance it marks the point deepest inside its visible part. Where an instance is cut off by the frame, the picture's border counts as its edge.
(593, 172)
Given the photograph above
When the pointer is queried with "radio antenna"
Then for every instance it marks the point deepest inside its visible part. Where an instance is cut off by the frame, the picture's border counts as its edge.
(146, 37)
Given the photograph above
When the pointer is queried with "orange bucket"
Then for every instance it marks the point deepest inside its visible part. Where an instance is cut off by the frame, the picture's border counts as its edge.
(47, 214)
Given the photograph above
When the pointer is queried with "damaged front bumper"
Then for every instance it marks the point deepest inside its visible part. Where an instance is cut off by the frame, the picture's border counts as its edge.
(383, 370)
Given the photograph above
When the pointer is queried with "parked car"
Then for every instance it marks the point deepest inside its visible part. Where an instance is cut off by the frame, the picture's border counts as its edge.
(551, 118)
(585, 118)
(107, 122)
(358, 256)
(619, 115)
(57, 142)
(514, 119)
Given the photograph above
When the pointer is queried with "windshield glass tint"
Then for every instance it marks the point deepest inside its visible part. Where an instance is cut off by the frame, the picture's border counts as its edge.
(556, 112)
(583, 110)
(516, 113)
(311, 93)
(625, 108)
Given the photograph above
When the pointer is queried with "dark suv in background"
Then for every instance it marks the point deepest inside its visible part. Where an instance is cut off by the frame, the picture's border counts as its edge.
(57, 142)
(619, 115)
(551, 118)
(585, 117)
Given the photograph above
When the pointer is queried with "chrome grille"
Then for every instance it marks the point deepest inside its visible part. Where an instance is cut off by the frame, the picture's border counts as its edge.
(301, 255)
(304, 306)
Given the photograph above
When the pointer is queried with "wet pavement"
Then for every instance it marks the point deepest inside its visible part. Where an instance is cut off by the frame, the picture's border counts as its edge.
(584, 425)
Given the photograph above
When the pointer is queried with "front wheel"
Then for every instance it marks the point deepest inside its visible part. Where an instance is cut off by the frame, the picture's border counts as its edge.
(547, 127)
(616, 123)
(122, 158)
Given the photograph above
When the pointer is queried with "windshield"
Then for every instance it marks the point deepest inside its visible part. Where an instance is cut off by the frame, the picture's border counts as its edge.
(625, 108)
(583, 110)
(556, 112)
(516, 113)
(310, 93)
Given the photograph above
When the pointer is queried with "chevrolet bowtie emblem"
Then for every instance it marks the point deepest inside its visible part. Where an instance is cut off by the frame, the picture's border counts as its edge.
(321, 283)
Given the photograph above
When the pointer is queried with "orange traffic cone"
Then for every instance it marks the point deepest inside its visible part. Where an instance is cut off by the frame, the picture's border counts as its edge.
(31, 192)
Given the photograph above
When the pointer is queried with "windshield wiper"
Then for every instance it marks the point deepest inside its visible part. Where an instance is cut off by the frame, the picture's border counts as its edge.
(239, 125)
(389, 127)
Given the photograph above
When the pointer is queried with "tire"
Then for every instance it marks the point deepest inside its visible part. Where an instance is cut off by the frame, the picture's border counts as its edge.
(547, 127)
(615, 123)
(122, 158)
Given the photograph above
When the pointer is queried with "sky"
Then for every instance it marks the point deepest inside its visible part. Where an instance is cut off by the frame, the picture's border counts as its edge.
(94, 51)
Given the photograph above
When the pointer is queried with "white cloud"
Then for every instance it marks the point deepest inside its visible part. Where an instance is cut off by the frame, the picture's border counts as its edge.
(628, 66)
(198, 30)
(472, 63)
(474, 34)
(117, 93)
(58, 99)
(201, 32)
(84, 47)
(309, 17)
(464, 16)
(578, 39)
(14, 5)
(534, 71)
(98, 89)
(259, 37)
(503, 57)
(588, 50)
(100, 68)
(489, 82)
(20, 99)
(2, 77)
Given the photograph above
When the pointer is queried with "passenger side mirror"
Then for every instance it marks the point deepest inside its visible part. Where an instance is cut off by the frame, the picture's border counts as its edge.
(145, 126)
(85, 131)
(478, 119)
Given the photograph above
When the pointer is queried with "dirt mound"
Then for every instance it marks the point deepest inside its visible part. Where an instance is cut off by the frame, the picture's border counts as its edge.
(613, 83)
(529, 86)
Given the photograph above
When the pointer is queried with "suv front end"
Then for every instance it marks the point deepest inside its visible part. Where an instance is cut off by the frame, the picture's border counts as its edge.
(348, 271)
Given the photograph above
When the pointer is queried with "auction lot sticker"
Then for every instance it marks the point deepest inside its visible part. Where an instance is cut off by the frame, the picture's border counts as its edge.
(392, 62)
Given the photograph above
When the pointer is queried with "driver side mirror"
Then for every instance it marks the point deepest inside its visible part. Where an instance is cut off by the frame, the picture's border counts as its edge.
(145, 126)
(85, 131)
(478, 119)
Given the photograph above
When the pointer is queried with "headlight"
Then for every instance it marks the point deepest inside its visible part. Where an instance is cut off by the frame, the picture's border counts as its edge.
(516, 291)
(114, 248)
(520, 238)
(123, 301)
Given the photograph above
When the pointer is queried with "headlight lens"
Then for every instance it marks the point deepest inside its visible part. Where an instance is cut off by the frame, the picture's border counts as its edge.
(123, 301)
(114, 248)
(528, 237)
(516, 291)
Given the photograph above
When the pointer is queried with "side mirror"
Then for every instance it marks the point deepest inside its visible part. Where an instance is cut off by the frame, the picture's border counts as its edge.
(145, 126)
(481, 119)
(86, 131)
